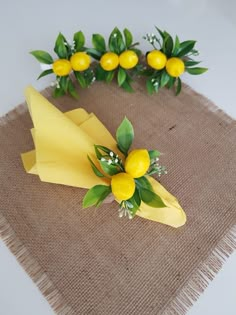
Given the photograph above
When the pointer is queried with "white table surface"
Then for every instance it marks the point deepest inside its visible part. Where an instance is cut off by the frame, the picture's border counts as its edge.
(29, 25)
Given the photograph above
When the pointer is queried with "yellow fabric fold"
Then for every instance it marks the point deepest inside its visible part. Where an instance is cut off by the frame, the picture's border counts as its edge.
(62, 143)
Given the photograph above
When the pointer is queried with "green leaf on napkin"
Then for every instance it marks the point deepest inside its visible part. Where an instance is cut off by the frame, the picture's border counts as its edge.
(96, 195)
(125, 136)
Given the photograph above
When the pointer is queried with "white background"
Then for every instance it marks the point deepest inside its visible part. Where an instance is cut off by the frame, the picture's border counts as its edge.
(29, 25)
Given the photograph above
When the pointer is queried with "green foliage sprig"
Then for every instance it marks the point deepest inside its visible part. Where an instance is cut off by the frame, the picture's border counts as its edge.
(109, 164)
(64, 51)
(117, 43)
(183, 51)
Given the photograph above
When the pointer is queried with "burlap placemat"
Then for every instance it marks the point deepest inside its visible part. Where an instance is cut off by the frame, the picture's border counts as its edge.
(90, 261)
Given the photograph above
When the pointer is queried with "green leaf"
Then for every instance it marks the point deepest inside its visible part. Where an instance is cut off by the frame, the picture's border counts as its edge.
(176, 46)
(109, 168)
(60, 47)
(96, 195)
(100, 73)
(58, 92)
(125, 136)
(89, 76)
(151, 198)
(196, 70)
(97, 152)
(179, 86)
(153, 154)
(116, 43)
(143, 182)
(46, 72)
(99, 42)
(64, 83)
(95, 169)
(164, 78)
(72, 90)
(128, 37)
(160, 32)
(80, 78)
(94, 53)
(42, 56)
(102, 148)
(135, 200)
(110, 76)
(171, 82)
(190, 63)
(121, 76)
(79, 40)
(127, 87)
(149, 86)
(168, 44)
(185, 47)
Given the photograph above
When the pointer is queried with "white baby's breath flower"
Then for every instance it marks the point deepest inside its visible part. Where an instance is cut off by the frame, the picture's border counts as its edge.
(45, 66)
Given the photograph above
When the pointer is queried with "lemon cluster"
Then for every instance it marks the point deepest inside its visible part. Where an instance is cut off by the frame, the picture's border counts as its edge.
(158, 60)
(136, 165)
(127, 60)
(80, 61)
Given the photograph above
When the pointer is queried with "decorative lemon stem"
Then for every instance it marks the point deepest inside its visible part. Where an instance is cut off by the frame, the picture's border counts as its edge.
(128, 182)
(119, 57)
(169, 61)
(71, 58)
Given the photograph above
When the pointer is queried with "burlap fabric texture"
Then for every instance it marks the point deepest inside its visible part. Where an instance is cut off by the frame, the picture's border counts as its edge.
(92, 262)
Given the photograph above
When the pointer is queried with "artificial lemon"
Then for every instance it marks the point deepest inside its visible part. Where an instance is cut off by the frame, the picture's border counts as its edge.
(156, 59)
(122, 186)
(175, 67)
(137, 163)
(61, 67)
(128, 59)
(109, 61)
(80, 61)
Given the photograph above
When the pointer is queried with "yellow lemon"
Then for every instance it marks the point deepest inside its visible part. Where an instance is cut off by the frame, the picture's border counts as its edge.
(175, 67)
(109, 61)
(122, 186)
(80, 61)
(61, 67)
(137, 163)
(128, 59)
(156, 59)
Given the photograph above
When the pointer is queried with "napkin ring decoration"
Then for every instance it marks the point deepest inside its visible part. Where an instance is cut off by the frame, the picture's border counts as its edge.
(76, 149)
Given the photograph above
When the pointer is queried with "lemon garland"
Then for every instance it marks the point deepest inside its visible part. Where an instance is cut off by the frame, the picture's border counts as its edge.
(119, 58)
(127, 177)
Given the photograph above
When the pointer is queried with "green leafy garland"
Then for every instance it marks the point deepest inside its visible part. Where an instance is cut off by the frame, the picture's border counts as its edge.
(110, 164)
(119, 58)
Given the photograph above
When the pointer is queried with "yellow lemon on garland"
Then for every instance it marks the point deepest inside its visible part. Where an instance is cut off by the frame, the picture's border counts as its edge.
(122, 186)
(109, 61)
(137, 163)
(61, 67)
(80, 61)
(156, 59)
(128, 59)
(175, 67)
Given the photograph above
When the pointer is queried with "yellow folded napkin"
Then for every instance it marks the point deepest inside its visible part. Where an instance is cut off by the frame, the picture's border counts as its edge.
(63, 142)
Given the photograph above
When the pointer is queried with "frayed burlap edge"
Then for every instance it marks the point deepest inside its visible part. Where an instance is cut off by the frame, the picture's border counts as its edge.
(185, 296)
(33, 269)
(202, 276)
